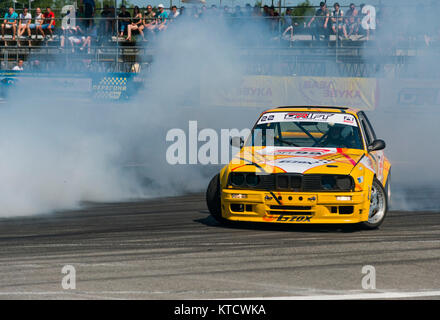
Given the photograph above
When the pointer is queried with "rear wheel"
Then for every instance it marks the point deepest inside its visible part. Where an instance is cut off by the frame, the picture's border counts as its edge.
(213, 199)
(378, 206)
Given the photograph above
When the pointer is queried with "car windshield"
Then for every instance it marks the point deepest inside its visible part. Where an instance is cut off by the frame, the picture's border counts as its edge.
(306, 129)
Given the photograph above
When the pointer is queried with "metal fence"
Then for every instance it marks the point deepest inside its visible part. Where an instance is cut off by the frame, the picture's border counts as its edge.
(287, 40)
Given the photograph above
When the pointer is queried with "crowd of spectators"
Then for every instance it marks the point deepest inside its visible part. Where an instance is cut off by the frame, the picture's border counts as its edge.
(126, 23)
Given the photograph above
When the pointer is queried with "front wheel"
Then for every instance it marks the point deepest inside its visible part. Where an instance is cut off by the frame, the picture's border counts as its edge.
(378, 206)
(213, 200)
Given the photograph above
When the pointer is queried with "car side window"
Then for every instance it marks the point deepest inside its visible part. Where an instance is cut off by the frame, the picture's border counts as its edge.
(366, 128)
(369, 126)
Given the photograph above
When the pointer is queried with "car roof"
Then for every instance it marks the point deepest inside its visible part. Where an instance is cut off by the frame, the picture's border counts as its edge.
(335, 109)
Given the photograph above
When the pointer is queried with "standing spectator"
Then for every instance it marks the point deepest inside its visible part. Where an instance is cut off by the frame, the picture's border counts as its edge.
(10, 22)
(337, 19)
(89, 12)
(24, 22)
(19, 66)
(107, 23)
(136, 24)
(322, 16)
(49, 22)
(124, 19)
(350, 27)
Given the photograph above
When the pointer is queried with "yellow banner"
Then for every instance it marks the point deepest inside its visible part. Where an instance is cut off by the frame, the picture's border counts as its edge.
(269, 91)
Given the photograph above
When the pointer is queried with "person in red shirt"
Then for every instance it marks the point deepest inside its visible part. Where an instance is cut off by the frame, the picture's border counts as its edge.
(49, 22)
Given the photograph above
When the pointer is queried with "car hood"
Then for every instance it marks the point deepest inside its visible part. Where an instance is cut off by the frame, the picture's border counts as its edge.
(296, 160)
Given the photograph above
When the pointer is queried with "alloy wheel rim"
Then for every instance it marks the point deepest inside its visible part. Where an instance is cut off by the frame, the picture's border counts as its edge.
(377, 205)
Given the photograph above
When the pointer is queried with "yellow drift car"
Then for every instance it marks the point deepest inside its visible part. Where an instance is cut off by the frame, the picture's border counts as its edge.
(305, 165)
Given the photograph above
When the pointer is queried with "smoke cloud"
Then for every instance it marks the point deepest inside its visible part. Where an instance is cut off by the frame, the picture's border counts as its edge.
(58, 152)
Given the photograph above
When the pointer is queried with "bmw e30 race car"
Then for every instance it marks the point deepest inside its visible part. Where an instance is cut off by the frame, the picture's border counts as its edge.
(305, 165)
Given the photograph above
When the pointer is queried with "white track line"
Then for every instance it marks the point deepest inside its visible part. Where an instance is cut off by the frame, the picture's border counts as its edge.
(355, 296)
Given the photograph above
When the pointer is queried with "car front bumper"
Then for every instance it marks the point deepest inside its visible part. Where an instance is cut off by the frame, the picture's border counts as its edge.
(295, 207)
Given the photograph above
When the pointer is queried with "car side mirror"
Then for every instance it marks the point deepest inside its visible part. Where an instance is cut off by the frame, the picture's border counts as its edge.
(237, 142)
(376, 145)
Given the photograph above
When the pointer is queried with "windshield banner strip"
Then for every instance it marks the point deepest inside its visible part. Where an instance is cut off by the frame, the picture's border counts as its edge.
(305, 116)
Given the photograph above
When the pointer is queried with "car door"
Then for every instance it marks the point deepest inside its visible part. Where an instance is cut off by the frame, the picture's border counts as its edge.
(377, 157)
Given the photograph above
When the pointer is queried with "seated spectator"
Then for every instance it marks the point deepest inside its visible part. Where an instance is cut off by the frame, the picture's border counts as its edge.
(226, 12)
(38, 20)
(337, 19)
(149, 18)
(174, 12)
(136, 24)
(256, 11)
(24, 23)
(10, 22)
(91, 33)
(182, 11)
(351, 24)
(160, 23)
(19, 66)
(321, 16)
(124, 19)
(72, 34)
(49, 22)
(288, 23)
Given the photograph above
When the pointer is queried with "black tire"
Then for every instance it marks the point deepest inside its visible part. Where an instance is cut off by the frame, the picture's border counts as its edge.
(376, 218)
(388, 189)
(213, 200)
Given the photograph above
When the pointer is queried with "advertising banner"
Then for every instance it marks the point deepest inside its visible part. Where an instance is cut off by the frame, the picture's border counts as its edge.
(268, 91)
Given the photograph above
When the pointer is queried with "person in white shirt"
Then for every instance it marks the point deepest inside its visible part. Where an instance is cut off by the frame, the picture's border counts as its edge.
(24, 22)
(19, 66)
(174, 12)
(38, 19)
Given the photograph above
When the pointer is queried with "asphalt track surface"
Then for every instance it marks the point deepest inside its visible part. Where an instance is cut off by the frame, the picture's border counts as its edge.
(172, 249)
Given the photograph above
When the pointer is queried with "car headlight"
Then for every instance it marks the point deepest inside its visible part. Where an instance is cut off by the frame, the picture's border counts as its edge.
(328, 182)
(344, 182)
(336, 182)
(237, 179)
(241, 179)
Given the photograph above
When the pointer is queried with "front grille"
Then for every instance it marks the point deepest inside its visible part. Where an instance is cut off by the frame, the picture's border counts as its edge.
(294, 182)
(312, 182)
